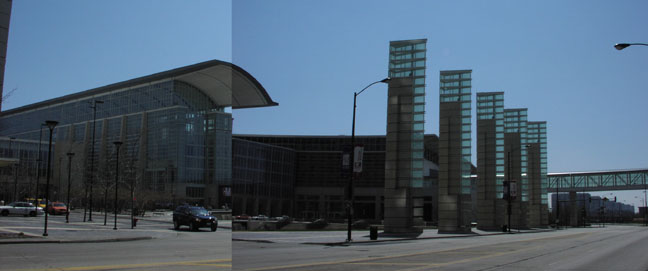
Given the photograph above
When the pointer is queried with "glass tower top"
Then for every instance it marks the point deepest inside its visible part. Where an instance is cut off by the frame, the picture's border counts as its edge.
(537, 133)
(490, 108)
(406, 109)
(455, 97)
(515, 122)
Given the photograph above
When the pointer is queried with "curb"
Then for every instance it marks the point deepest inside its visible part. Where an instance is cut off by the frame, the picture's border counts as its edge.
(171, 222)
(394, 239)
(76, 241)
(253, 240)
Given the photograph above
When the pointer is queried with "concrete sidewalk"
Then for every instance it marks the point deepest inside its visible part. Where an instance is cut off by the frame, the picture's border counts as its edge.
(333, 238)
(26, 230)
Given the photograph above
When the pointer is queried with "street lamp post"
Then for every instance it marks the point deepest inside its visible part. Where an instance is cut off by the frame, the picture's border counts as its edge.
(645, 205)
(132, 198)
(508, 185)
(15, 194)
(508, 189)
(350, 202)
(117, 145)
(50, 124)
(621, 46)
(67, 214)
(94, 121)
(38, 168)
(11, 152)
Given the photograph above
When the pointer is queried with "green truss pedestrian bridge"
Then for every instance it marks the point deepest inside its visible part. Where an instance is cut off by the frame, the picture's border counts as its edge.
(634, 179)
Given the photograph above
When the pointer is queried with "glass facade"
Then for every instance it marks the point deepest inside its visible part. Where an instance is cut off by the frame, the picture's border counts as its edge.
(515, 125)
(490, 133)
(455, 126)
(406, 111)
(537, 134)
(263, 178)
(177, 141)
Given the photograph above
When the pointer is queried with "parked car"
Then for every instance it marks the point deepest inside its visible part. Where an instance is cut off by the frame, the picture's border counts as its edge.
(41, 202)
(20, 208)
(195, 217)
(56, 208)
(260, 217)
(242, 217)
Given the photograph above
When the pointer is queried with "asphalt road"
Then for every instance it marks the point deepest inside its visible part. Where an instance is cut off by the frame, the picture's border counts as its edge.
(169, 250)
(610, 248)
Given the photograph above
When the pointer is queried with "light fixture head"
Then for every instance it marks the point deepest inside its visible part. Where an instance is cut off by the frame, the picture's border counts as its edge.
(70, 154)
(98, 101)
(386, 80)
(621, 46)
(51, 123)
(118, 143)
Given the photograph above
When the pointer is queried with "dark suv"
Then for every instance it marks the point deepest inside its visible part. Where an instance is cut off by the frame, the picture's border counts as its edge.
(194, 217)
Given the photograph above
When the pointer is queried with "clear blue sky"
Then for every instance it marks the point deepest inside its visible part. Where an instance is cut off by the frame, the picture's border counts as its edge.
(553, 57)
(62, 47)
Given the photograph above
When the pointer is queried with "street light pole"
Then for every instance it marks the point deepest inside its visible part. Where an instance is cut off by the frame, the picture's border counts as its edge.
(645, 206)
(508, 188)
(11, 154)
(50, 124)
(117, 145)
(350, 200)
(94, 121)
(15, 194)
(67, 214)
(38, 168)
(132, 198)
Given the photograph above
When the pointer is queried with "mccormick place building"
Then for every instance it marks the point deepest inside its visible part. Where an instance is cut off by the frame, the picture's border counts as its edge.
(303, 177)
(175, 129)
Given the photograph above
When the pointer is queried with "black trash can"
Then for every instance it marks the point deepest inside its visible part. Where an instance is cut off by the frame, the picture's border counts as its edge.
(373, 233)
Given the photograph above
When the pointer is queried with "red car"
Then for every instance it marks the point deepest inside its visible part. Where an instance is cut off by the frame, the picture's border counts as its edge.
(56, 208)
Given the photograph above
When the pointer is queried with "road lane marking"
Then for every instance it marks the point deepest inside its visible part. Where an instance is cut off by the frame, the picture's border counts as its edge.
(497, 254)
(405, 255)
(131, 266)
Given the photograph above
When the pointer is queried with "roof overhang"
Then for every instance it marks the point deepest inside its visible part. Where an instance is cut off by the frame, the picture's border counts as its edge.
(226, 84)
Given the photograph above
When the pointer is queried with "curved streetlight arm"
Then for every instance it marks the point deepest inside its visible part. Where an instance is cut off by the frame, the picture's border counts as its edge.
(386, 80)
(621, 46)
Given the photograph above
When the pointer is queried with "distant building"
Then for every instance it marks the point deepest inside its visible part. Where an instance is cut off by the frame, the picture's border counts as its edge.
(576, 209)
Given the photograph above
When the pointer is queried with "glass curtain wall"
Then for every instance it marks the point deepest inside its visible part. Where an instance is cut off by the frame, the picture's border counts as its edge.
(490, 110)
(455, 98)
(537, 134)
(407, 60)
(515, 123)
